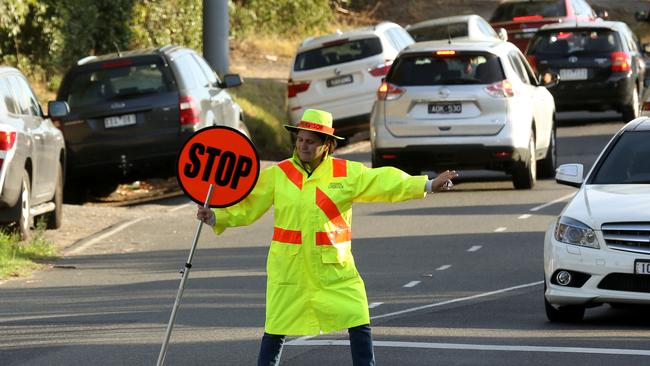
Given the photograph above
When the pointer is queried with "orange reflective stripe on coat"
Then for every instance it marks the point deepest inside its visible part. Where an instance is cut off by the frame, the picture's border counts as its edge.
(339, 168)
(344, 233)
(293, 174)
(287, 236)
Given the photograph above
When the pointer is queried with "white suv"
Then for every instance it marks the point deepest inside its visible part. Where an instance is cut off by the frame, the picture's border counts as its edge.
(465, 105)
(341, 72)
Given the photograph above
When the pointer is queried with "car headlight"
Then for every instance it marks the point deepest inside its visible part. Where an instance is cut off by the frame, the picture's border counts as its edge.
(570, 231)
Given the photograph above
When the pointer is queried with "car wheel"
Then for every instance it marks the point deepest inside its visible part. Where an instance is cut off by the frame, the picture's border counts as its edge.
(564, 314)
(23, 218)
(525, 175)
(376, 162)
(53, 219)
(243, 129)
(546, 167)
(632, 110)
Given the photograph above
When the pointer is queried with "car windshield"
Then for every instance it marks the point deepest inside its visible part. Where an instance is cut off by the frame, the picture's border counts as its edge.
(440, 31)
(573, 41)
(628, 161)
(337, 52)
(456, 68)
(119, 81)
(545, 9)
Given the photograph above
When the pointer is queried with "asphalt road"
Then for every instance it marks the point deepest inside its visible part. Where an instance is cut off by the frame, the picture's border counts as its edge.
(453, 279)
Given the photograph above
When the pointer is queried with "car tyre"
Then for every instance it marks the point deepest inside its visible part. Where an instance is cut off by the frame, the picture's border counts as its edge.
(633, 109)
(546, 167)
(54, 219)
(524, 175)
(23, 219)
(376, 162)
(564, 314)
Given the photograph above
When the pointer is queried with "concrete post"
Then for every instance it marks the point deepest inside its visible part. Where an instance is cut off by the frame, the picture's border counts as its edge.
(216, 27)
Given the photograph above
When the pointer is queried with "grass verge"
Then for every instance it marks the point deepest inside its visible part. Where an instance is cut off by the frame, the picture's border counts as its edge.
(18, 258)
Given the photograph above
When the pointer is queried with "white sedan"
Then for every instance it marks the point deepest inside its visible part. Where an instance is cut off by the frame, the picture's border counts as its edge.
(598, 251)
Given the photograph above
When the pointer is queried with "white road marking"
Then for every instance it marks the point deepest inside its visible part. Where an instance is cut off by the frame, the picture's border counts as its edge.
(373, 305)
(524, 216)
(478, 347)
(500, 229)
(474, 248)
(103, 236)
(563, 198)
(442, 268)
(177, 208)
(412, 284)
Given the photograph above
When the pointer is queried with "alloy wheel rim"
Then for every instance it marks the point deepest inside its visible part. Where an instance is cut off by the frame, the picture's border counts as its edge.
(24, 213)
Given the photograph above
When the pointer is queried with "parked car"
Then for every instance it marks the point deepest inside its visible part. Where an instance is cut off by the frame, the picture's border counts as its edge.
(600, 66)
(456, 27)
(598, 251)
(522, 18)
(340, 73)
(465, 105)
(32, 158)
(132, 110)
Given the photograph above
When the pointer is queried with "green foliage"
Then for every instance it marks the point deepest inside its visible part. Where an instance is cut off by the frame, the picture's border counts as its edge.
(156, 23)
(18, 258)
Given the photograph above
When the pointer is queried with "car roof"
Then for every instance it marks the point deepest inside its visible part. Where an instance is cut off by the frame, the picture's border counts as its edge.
(442, 21)
(169, 49)
(458, 45)
(603, 24)
(315, 42)
(639, 124)
(5, 69)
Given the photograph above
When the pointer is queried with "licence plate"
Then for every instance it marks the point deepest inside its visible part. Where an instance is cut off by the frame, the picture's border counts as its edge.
(341, 80)
(119, 121)
(443, 108)
(642, 266)
(573, 74)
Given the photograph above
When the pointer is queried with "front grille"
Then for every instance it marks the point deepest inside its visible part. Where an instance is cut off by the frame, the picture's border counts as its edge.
(628, 236)
(625, 282)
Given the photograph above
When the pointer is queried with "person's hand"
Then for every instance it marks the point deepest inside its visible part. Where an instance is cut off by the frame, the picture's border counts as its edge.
(443, 181)
(206, 215)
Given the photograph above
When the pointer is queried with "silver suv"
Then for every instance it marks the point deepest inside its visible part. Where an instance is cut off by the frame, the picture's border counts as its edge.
(340, 73)
(465, 105)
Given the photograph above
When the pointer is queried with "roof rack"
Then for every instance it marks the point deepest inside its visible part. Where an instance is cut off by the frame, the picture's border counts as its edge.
(86, 59)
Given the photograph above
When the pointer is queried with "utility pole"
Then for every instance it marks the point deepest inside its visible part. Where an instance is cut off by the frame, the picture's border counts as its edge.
(216, 28)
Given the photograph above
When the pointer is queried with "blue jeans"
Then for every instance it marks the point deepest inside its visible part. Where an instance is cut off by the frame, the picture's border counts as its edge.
(360, 346)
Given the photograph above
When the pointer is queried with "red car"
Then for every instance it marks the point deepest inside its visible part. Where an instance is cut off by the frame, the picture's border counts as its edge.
(522, 18)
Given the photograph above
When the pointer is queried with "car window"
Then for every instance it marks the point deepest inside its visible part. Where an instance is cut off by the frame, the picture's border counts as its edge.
(432, 69)
(573, 41)
(582, 8)
(21, 99)
(114, 81)
(395, 39)
(626, 162)
(34, 106)
(407, 40)
(486, 28)
(207, 70)
(194, 68)
(8, 98)
(518, 67)
(441, 31)
(532, 79)
(337, 52)
(512, 10)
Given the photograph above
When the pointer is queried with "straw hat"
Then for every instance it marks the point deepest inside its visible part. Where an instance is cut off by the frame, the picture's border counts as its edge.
(316, 121)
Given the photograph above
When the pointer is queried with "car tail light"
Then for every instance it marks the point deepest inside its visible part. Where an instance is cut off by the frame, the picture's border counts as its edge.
(116, 63)
(501, 89)
(7, 140)
(295, 87)
(189, 114)
(388, 91)
(381, 69)
(445, 53)
(620, 62)
(527, 17)
(532, 60)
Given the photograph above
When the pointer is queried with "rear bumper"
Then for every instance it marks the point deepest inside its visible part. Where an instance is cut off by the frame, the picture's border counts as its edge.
(613, 93)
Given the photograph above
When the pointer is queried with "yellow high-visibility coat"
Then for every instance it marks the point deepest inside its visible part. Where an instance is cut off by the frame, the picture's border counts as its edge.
(313, 285)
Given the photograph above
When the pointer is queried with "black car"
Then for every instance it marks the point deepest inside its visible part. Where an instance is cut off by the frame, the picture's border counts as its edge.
(600, 65)
(134, 110)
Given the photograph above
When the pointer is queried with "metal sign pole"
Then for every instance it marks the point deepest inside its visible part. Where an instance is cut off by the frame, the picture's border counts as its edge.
(185, 271)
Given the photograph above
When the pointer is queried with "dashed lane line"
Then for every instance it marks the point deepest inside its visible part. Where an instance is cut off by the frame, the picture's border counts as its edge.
(474, 248)
(563, 198)
(442, 268)
(412, 284)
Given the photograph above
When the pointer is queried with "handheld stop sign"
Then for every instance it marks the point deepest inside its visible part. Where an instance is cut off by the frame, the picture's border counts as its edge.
(223, 157)
(219, 160)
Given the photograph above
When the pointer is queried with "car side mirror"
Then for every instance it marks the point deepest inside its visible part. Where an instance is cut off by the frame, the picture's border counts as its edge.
(503, 34)
(570, 174)
(58, 108)
(231, 81)
(549, 79)
(602, 14)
